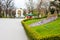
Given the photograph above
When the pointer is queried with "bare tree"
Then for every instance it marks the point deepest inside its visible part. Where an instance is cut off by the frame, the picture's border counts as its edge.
(39, 7)
(1, 5)
(43, 4)
(8, 6)
(30, 6)
(0, 8)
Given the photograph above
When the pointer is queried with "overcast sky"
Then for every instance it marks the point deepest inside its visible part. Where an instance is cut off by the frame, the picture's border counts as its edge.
(22, 3)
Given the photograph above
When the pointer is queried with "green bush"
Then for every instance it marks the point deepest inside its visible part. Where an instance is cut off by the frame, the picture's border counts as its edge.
(58, 15)
(33, 35)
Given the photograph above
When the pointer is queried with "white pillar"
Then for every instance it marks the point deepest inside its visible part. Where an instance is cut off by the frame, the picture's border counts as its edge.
(16, 13)
(22, 13)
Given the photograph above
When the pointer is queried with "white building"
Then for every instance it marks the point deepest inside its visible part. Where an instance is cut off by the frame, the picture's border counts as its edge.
(19, 13)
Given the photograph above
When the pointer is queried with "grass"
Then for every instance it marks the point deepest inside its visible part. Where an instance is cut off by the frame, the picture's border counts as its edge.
(51, 28)
(32, 21)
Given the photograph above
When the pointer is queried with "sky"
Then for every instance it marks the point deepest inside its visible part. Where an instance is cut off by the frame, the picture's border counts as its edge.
(21, 3)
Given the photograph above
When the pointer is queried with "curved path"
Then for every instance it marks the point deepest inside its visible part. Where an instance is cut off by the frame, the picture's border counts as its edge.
(43, 21)
(11, 29)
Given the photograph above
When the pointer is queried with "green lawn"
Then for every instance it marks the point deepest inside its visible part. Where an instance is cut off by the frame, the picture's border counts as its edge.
(32, 21)
(51, 28)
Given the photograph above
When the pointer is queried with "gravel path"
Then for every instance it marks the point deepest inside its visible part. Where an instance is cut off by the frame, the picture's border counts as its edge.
(44, 21)
(11, 29)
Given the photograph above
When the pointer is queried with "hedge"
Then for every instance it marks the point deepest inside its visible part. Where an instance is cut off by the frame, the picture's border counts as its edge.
(33, 35)
(29, 31)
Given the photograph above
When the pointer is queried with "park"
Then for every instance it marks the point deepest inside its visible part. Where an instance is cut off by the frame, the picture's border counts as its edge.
(36, 20)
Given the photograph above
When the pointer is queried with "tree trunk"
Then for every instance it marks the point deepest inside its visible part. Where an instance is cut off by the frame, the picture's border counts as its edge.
(38, 15)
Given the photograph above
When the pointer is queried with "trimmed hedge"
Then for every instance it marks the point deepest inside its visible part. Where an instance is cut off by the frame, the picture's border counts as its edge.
(33, 35)
(30, 32)
(34, 18)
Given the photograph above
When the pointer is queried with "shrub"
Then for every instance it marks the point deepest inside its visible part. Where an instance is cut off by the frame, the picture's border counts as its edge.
(33, 35)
